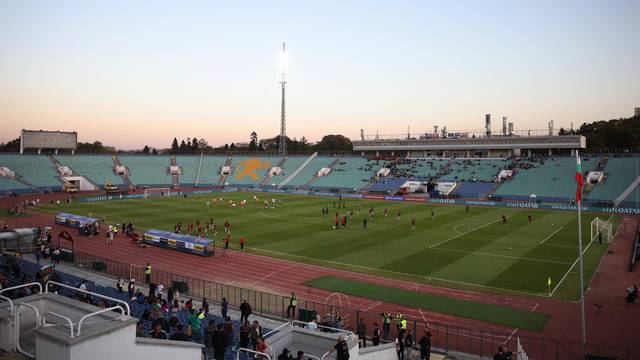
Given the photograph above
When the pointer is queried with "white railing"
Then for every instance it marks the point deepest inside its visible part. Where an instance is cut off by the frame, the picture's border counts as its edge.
(44, 321)
(17, 327)
(348, 333)
(276, 329)
(124, 303)
(325, 355)
(251, 352)
(82, 319)
(10, 303)
(22, 286)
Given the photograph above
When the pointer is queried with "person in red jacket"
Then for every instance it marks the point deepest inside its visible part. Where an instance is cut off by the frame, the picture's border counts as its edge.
(242, 239)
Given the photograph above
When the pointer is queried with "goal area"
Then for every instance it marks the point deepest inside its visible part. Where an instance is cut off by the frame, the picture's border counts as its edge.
(157, 192)
(602, 228)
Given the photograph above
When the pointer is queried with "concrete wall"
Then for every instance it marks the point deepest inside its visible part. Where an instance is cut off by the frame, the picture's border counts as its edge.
(380, 352)
(170, 350)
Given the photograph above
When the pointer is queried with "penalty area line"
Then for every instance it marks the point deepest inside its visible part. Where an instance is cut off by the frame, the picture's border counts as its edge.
(462, 234)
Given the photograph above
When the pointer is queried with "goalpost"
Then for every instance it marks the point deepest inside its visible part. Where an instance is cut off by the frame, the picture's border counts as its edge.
(602, 228)
(161, 191)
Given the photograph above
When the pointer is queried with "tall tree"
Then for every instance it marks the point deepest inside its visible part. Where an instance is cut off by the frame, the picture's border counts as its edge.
(146, 149)
(174, 146)
(183, 147)
(194, 145)
(253, 141)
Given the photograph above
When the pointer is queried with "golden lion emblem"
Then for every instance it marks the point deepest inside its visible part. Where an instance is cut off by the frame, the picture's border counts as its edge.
(249, 167)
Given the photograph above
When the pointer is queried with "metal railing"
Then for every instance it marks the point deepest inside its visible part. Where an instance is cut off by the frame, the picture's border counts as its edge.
(23, 286)
(82, 319)
(448, 337)
(71, 335)
(17, 327)
(251, 352)
(124, 303)
(10, 303)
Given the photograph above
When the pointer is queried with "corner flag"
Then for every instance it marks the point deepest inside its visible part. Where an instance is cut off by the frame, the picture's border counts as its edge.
(579, 179)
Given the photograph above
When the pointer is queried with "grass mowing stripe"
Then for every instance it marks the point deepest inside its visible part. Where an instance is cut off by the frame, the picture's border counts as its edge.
(502, 315)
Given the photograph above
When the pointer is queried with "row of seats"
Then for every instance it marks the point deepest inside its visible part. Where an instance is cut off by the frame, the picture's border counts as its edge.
(619, 174)
(38, 170)
(549, 178)
(98, 169)
(137, 309)
(349, 173)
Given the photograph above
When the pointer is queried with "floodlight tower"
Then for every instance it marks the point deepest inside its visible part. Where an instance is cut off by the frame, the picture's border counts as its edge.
(282, 149)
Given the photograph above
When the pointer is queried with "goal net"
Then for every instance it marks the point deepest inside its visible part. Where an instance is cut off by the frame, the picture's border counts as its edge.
(601, 228)
(157, 192)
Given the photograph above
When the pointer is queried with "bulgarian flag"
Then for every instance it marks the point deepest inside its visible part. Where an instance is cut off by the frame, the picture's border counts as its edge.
(579, 178)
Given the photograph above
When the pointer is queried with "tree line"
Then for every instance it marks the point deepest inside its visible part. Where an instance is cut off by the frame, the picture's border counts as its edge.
(609, 134)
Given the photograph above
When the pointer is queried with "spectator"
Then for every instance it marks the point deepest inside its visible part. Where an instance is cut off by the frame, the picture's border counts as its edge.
(286, 355)
(194, 322)
(261, 347)
(409, 341)
(228, 329)
(425, 345)
(312, 325)
(160, 320)
(245, 334)
(224, 307)
(180, 335)
(209, 332)
(219, 343)
(293, 302)
(140, 329)
(632, 294)
(375, 338)
(131, 288)
(160, 291)
(205, 307)
(158, 333)
(362, 333)
(120, 285)
(400, 344)
(245, 311)
(300, 355)
(170, 295)
(500, 355)
(255, 333)
(341, 348)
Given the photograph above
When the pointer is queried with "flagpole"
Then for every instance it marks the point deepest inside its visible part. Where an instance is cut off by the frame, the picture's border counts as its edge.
(582, 316)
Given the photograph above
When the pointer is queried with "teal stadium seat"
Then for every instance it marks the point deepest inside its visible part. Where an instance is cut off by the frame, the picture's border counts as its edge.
(290, 165)
(209, 170)
(620, 173)
(349, 173)
(8, 184)
(38, 170)
(98, 168)
(310, 171)
(554, 179)
(476, 169)
(148, 169)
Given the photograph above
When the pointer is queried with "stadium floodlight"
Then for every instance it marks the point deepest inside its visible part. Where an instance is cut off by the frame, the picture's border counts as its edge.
(282, 149)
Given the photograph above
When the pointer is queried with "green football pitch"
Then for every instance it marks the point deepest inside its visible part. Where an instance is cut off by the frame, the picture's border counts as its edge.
(460, 249)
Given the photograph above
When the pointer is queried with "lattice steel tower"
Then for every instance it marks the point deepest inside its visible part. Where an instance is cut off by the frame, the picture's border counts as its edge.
(282, 150)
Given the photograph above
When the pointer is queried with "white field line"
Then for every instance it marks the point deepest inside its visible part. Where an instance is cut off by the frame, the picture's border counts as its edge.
(396, 272)
(275, 272)
(550, 236)
(463, 234)
(506, 256)
(569, 271)
(510, 336)
(372, 306)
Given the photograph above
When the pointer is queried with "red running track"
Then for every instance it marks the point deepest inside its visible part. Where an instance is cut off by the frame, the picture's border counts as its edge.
(614, 324)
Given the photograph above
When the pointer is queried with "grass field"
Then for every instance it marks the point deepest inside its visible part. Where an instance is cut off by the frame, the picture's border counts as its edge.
(456, 249)
(503, 315)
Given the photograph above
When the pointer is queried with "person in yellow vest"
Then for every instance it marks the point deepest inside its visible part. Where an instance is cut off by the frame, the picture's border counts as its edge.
(293, 302)
(147, 273)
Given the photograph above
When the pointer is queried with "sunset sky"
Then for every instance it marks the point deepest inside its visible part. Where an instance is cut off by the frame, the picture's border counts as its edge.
(130, 73)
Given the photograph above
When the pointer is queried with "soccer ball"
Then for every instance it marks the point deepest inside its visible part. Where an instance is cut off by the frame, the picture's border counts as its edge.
(334, 227)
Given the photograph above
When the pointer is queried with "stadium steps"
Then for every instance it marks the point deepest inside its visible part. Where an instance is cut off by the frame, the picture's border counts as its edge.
(223, 178)
(627, 192)
(174, 177)
(268, 175)
(298, 170)
(316, 178)
(125, 176)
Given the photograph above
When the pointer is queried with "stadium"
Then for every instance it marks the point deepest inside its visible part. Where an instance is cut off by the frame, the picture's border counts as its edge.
(498, 240)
